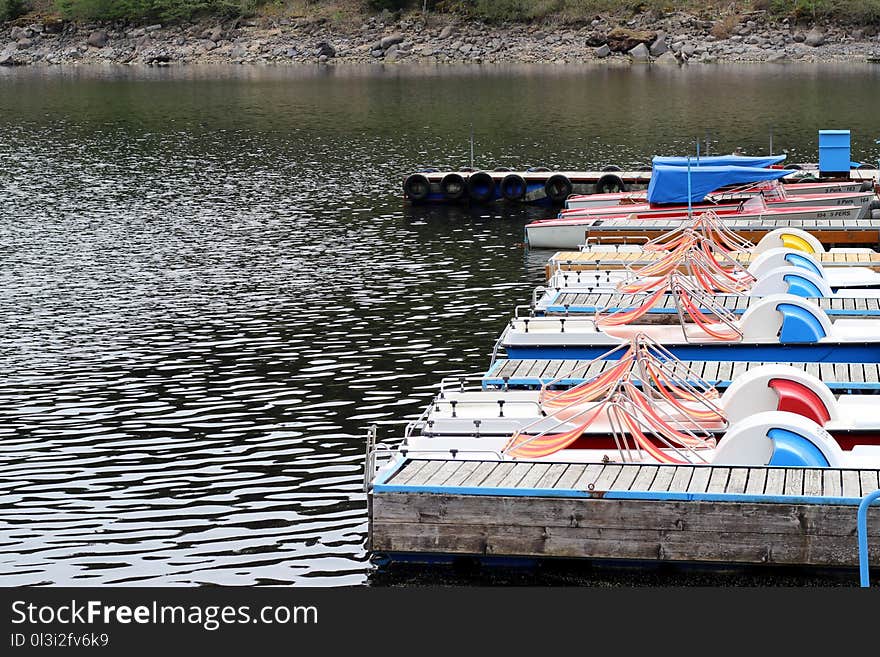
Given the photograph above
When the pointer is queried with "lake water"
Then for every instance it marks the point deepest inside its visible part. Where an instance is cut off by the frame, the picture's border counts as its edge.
(210, 285)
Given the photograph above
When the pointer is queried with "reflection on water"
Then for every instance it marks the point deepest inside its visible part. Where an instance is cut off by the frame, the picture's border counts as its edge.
(209, 286)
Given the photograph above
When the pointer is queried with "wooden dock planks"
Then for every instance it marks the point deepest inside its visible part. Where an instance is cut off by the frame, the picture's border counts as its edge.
(778, 524)
(598, 259)
(835, 375)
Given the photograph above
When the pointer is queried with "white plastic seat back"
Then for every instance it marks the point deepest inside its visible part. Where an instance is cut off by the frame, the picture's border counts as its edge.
(791, 280)
(793, 238)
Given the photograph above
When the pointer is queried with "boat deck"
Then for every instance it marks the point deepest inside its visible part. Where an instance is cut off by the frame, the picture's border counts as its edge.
(613, 259)
(531, 373)
(803, 516)
(856, 232)
(591, 301)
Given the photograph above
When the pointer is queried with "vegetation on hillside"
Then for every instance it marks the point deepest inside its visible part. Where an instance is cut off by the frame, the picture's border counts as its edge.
(494, 11)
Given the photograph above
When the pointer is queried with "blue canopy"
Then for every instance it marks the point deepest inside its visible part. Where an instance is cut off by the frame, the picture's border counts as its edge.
(719, 161)
(670, 184)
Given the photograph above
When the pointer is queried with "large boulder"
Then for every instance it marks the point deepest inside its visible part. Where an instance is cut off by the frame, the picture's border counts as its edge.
(325, 49)
(622, 39)
(814, 38)
(98, 39)
(447, 31)
(391, 40)
(602, 51)
(640, 53)
(659, 46)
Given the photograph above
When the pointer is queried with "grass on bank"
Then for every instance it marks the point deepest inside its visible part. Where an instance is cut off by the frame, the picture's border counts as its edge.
(493, 11)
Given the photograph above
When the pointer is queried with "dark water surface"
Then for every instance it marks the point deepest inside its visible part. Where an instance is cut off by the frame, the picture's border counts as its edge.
(210, 287)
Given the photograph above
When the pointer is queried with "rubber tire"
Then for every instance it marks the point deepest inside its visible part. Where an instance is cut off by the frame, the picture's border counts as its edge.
(867, 186)
(453, 187)
(610, 183)
(612, 167)
(518, 192)
(865, 167)
(481, 187)
(557, 188)
(416, 187)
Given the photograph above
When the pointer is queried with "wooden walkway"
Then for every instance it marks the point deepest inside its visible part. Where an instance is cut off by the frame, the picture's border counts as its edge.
(613, 259)
(857, 232)
(598, 479)
(803, 516)
(590, 301)
(531, 373)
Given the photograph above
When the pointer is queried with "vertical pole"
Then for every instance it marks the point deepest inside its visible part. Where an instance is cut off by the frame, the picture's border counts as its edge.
(707, 143)
(771, 140)
(690, 207)
(862, 529)
(472, 144)
(698, 151)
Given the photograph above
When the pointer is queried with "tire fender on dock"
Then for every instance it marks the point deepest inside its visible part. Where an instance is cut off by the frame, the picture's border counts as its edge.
(453, 187)
(610, 183)
(557, 188)
(416, 187)
(481, 187)
(513, 187)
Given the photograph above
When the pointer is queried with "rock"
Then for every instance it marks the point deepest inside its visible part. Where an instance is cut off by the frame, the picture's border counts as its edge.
(53, 25)
(596, 39)
(688, 50)
(640, 53)
(447, 31)
(207, 45)
(602, 51)
(135, 34)
(814, 38)
(777, 57)
(153, 28)
(98, 39)
(667, 58)
(858, 35)
(214, 34)
(7, 58)
(391, 40)
(323, 59)
(24, 44)
(659, 46)
(621, 39)
(17, 33)
(799, 37)
(377, 52)
(466, 48)
(324, 49)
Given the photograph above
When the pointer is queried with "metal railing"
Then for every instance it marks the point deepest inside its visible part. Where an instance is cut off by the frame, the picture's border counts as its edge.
(862, 527)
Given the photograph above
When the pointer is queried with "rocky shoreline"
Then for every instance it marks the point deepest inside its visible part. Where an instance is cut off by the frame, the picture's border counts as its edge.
(677, 38)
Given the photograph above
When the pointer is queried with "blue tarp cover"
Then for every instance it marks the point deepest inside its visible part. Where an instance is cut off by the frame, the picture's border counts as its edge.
(670, 184)
(720, 161)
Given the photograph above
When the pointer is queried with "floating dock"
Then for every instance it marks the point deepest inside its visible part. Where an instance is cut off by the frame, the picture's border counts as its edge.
(426, 509)
(600, 259)
(529, 373)
(540, 185)
(859, 232)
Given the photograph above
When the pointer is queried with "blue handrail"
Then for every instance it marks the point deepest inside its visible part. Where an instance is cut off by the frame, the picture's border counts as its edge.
(862, 526)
